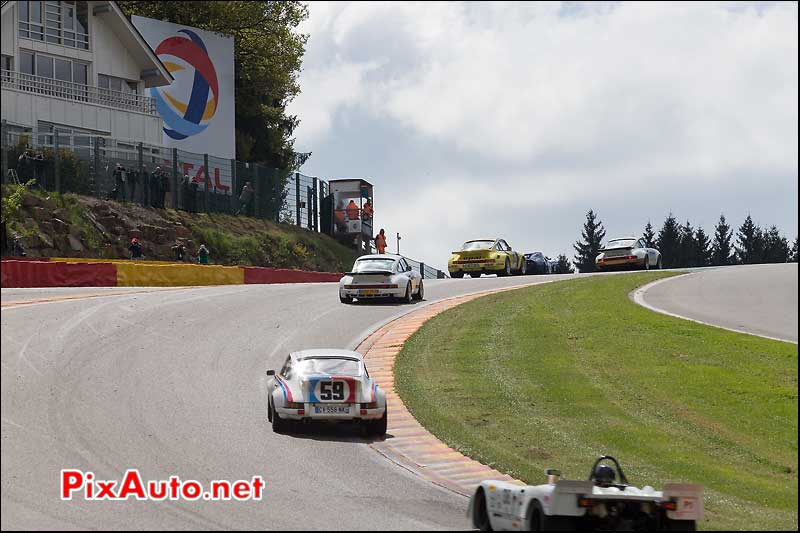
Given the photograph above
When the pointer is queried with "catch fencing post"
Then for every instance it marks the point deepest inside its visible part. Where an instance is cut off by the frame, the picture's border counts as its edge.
(235, 187)
(96, 166)
(141, 173)
(175, 177)
(4, 145)
(56, 161)
(206, 178)
(297, 196)
(314, 204)
(422, 270)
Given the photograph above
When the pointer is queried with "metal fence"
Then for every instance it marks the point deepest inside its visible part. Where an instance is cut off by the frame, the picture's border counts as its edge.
(62, 160)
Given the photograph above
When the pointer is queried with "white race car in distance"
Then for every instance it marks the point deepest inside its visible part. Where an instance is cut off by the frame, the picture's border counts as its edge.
(381, 276)
(601, 503)
(326, 385)
(627, 253)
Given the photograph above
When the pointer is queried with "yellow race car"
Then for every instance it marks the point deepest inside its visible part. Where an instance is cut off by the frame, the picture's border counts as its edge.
(486, 256)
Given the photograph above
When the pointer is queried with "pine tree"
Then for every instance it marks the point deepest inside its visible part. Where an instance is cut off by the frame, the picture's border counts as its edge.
(649, 236)
(563, 266)
(750, 239)
(687, 247)
(721, 248)
(668, 242)
(593, 234)
(776, 247)
(702, 247)
(793, 253)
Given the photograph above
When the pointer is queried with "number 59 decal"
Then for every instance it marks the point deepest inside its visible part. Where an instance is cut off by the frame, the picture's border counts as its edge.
(332, 391)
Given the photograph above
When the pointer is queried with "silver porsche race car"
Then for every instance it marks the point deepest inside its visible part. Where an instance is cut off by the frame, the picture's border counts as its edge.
(381, 276)
(628, 253)
(326, 385)
(605, 502)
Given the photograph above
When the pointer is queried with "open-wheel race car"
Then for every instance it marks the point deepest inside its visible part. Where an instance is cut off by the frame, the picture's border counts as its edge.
(605, 502)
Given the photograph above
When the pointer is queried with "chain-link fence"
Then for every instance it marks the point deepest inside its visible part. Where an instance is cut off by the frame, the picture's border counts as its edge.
(60, 160)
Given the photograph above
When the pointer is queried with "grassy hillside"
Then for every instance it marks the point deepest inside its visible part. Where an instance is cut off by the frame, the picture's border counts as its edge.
(77, 226)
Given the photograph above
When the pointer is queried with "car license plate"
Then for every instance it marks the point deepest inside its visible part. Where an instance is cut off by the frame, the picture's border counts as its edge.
(368, 292)
(331, 409)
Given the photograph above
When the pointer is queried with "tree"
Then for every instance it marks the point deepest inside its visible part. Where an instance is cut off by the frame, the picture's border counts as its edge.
(593, 234)
(721, 251)
(268, 54)
(750, 239)
(649, 236)
(776, 247)
(793, 253)
(668, 242)
(563, 266)
(687, 248)
(702, 247)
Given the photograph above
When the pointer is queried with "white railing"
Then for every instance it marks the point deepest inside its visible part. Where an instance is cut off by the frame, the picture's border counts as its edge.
(77, 92)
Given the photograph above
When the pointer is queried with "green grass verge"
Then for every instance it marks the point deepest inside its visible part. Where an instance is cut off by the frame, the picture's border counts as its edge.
(558, 374)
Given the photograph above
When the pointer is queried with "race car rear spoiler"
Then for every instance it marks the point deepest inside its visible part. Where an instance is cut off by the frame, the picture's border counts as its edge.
(370, 273)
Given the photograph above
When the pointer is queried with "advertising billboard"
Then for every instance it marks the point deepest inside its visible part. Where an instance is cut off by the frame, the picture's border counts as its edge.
(198, 107)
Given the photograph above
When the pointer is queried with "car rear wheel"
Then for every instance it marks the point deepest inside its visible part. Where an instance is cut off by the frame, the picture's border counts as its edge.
(646, 263)
(278, 424)
(538, 521)
(523, 269)
(480, 516)
(660, 265)
(421, 291)
(507, 270)
(345, 299)
(377, 428)
(456, 274)
(408, 298)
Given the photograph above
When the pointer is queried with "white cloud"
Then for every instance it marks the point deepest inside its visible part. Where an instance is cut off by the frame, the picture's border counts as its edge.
(550, 105)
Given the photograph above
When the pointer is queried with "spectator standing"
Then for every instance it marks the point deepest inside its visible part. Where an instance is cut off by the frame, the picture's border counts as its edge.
(245, 199)
(166, 190)
(179, 251)
(367, 210)
(155, 187)
(193, 186)
(25, 166)
(352, 210)
(39, 170)
(203, 255)
(132, 178)
(145, 181)
(135, 249)
(380, 242)
(119, 182)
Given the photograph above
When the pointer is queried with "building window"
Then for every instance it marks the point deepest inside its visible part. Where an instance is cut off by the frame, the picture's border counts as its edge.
(74, 139)
(58, 68)
(64, 23)
(8, 63)
(117, 84)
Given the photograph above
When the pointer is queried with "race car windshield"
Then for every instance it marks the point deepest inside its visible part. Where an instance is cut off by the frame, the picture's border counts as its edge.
(365, 265)
(330, 366)
(477, 245)
(621, 243)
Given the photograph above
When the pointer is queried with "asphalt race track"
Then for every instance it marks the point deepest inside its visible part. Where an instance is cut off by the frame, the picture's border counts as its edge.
(172, 382)
(759, 299)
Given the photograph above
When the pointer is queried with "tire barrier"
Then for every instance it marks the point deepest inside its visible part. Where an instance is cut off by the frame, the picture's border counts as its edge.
(18, 274)
(63, 272)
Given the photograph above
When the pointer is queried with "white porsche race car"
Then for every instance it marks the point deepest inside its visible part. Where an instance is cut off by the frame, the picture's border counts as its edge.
(628, 253)
(381, 276)
(601, 503)
(326, 385)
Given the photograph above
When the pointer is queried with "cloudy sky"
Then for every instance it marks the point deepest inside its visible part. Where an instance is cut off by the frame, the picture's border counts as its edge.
(514, 119)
